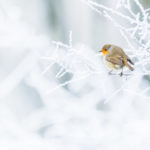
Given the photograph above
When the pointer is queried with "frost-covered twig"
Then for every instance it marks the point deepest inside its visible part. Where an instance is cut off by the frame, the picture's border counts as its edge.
(137, 29)
(75, 61)
(136, 33)
(81, 64)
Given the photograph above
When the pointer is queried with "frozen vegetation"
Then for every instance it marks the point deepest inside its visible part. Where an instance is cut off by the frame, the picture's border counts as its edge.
(57, 94)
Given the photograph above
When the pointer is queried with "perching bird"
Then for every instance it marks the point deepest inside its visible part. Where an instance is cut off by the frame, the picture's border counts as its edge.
(115, 58)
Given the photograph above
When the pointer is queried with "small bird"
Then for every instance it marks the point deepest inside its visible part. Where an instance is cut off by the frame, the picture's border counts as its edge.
(115, 58)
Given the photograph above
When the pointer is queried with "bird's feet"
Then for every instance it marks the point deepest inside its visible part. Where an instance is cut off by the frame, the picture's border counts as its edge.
(110, 73)
(121, 74)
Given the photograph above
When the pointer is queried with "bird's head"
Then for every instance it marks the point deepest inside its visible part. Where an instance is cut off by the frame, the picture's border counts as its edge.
(105, 49)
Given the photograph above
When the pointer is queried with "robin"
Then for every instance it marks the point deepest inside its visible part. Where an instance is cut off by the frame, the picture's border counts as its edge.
(115, 58)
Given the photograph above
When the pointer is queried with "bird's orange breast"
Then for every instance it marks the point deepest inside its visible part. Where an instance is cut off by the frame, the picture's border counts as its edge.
(104, 52)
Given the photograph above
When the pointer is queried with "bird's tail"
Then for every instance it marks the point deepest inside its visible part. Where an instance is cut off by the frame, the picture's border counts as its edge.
(128, 66)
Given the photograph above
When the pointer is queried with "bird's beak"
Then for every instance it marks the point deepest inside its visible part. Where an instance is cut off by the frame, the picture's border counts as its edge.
(100, 51)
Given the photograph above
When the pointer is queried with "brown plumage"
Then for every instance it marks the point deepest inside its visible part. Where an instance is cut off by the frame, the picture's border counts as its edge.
(115, 58)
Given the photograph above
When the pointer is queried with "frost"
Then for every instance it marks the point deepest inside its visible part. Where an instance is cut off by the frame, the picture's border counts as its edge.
(82, 63)
(135, 30)
(58, 95)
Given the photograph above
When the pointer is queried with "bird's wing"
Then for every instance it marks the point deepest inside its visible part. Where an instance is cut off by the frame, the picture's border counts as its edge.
(129, 60)
(118, 60)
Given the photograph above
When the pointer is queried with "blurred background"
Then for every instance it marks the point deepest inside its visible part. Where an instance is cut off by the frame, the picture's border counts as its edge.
(37, 109)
